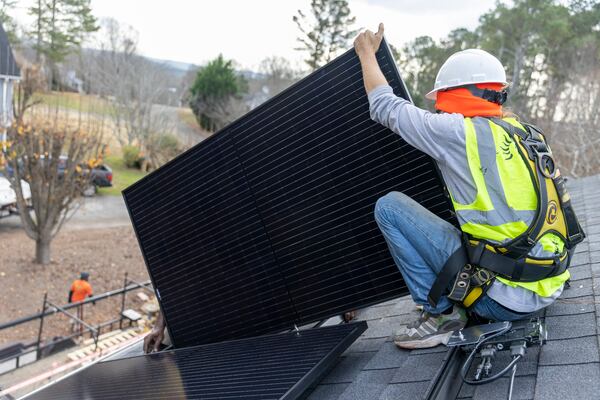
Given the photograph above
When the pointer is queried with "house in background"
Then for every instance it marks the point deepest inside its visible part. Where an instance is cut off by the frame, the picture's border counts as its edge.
(9, 74)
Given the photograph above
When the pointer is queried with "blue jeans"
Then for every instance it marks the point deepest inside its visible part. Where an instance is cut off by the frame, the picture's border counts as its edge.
(420, 243)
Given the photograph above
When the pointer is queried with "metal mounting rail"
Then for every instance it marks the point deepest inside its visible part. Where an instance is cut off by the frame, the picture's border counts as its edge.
(447, 382)
(484, 341)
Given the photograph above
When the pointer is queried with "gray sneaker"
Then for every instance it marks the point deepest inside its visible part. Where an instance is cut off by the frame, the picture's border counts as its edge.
(430, 330)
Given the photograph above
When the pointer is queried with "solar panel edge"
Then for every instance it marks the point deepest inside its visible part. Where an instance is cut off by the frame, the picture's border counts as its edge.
(150, 274)
(388, 50)
(319, 371)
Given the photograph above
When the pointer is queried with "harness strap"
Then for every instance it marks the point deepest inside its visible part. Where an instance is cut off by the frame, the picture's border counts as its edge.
(517, 269)
(520, 246)
(447, 275)
(540, 153)
(493, 96)
(575, 233)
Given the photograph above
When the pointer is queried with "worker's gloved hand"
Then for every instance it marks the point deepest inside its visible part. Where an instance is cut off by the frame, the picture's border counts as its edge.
(153, 340)
(368, 42)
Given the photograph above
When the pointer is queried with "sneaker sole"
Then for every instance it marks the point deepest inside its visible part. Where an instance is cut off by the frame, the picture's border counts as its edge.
(431, 341)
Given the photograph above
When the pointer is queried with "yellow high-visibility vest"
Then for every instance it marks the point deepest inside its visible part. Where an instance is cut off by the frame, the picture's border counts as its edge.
(505, 200)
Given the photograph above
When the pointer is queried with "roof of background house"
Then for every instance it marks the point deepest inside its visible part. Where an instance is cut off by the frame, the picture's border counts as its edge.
(566, 367)
(8, 65)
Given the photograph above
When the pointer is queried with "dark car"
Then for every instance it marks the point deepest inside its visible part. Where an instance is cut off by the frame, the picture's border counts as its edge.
(101, 176)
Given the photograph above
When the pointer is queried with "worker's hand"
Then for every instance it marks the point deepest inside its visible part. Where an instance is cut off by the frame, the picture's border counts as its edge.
(368, 42)
(153, 340)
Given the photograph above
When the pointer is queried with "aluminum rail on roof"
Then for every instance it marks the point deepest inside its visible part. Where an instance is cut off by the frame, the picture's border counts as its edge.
(281, 366)
(269, 223)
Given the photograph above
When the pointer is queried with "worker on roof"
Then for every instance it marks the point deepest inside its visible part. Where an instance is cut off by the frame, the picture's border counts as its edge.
(517, 230)
(80, 290)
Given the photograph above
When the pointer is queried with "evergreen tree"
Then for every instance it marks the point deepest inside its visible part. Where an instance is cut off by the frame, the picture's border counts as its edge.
(216, 94)
(59, 28)
(326, 31)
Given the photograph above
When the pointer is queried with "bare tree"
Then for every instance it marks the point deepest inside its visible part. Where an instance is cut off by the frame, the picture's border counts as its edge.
(278, 73)
(186, 83)
(54, 154)
(133, 85)
(575, 125)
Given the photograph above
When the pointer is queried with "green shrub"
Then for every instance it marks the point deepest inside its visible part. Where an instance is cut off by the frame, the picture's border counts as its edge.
(132, 156)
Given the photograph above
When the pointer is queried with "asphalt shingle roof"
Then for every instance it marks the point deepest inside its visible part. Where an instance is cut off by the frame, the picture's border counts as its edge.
(567, 367)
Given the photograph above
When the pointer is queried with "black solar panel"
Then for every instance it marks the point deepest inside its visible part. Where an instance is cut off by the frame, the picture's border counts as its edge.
(270, 221)
(207, 250)
(316, 163)
(279, 366)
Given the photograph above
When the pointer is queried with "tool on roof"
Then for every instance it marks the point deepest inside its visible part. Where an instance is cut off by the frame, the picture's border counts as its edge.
(486, 341)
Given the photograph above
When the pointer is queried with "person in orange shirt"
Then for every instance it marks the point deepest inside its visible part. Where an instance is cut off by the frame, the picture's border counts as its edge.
(80, 289)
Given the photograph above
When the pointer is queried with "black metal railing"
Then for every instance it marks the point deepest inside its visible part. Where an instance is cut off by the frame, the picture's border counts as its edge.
(50, 308)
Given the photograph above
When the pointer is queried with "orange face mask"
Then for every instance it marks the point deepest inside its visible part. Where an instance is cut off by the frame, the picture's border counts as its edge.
(461, 101)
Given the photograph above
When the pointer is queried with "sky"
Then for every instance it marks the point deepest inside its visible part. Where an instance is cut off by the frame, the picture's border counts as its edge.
(196, 31)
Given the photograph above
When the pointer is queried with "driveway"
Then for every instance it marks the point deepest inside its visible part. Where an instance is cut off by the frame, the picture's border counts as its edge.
(93, 212)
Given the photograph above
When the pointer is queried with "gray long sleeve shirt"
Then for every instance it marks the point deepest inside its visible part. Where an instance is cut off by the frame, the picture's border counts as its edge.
(442, 136)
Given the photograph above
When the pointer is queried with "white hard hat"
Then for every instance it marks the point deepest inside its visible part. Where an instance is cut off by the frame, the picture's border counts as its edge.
(468, 67)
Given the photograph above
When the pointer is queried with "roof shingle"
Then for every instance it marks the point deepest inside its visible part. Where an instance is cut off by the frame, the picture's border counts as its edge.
(566, 367)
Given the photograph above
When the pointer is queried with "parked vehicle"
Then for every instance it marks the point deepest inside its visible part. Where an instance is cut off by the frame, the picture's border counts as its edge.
(101, 176)
(8, 197)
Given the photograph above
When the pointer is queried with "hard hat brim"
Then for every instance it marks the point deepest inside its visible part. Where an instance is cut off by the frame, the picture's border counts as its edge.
(432, 95)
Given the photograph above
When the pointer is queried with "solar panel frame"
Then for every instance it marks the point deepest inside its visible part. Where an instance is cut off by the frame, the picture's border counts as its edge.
(388, 284)
(280, 366)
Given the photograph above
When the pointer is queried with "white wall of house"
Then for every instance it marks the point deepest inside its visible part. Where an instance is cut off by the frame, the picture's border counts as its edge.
(6, 103)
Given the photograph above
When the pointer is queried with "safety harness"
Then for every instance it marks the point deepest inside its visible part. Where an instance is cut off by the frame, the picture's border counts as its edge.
(471, 269)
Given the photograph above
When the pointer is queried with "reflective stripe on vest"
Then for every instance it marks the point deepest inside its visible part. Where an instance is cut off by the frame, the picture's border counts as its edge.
(505, 202)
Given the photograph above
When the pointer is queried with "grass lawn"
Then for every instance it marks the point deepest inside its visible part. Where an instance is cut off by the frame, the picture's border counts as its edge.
(122, 176)
(75, 102)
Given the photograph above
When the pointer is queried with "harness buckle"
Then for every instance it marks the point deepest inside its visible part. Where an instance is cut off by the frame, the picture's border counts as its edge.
(539, 153)
(545, 163)
(481, 276)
